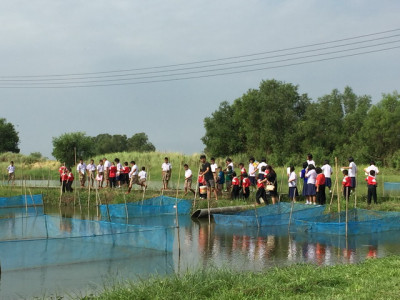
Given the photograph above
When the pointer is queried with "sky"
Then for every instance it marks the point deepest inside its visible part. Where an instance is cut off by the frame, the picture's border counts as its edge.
(74, 37)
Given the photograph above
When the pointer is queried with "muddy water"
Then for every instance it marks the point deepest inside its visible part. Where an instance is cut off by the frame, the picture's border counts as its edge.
(201, 245)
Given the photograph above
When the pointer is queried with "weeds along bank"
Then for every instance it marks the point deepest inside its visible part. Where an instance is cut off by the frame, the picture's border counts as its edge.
(372, 279)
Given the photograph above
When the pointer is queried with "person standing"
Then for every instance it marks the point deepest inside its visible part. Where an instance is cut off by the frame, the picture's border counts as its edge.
(262, 164)
(305, 179)
(100, 174)
(64, 180)
(120, 175)
(125, 172)
(311, 174)
(61, 170)
(220, 181)
(252, 171)
(188, 179)
(327, 170)
(142, 178)
(11, 173)
(371, 167)
(371, 181)
(352, 172)
(70, 181)
(293, 192)
(261, 194)
(235, 187)
(246, 186)
(81, 168)
(310, 160)
(214, 167)
(320, 182)
(166, 168)
(346, 184)
(107, 166)
(228, 179)
(91, 172)
(205, 171)
(272, 180)
(113, 175)
(133, 176)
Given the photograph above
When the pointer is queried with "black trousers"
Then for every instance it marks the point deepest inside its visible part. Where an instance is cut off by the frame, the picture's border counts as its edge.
(372, 194)
(235, 192)
(321, 197)
(261, 194)
(69, 186)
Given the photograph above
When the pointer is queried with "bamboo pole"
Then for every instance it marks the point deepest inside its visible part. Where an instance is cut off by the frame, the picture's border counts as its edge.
(347, 209)
(176, 198)
(334, 185)
(337, 184)
(197, 187)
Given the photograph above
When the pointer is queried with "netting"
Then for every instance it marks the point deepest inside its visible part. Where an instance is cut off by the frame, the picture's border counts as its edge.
(360, 221)
(278, 214)
(12, 212)
(392, 188)
(150, 207)
(52, 240)
(21, 200)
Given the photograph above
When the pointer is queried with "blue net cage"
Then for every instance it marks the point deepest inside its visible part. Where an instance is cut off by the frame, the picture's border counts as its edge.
(160, 205)
(391, 188)
(21, 200)
(360, 221)
(278, 214)
(34, 241)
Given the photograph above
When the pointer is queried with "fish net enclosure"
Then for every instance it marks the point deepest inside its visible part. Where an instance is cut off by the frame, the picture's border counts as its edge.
(360, 221)
(35, 241)
(160, 205)
(391, 188)
(278, 214)
(21, 200)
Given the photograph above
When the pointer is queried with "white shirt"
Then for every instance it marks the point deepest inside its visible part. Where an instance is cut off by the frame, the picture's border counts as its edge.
(188, 174)
(100, 168)
(372, 167)
(327, 170)
(107, 164)
(353, 169)
(133, 171)
(91, 167)
(213, 167)
(142, 174)
(11, 169)
(119, 167)
(288, 171)
(81, 168)
(166, 167)
(311, 162)
(311, 175)
(260, 165)
(252, 170)
(230, 164)
(293, 177)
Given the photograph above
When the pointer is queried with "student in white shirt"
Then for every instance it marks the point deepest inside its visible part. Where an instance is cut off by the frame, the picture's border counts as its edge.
(142, 178)
(293, 192)
(310, 160)
(81, 168)
(372, 167)
(119, 171)
(311, 174)
(214, 168)
(11, 173)
(107, 166)
(252, 171)
(100, 174)
(188, 180)
(327, 170)
(166, 173)
(91, 171)
(263, 163)
(133, 176)
(352, 172)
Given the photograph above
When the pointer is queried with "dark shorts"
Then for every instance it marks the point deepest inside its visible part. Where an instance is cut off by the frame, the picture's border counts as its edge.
(293, 192)
(252, 180)
(328, 182)
(304, 190)
(210, 183)
(311, 189)
(353, 182)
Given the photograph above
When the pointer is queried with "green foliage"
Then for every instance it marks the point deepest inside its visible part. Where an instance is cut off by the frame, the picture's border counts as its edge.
(64, 147)
(139, 142)
(9, 139)
(107, 143)
(277, 122)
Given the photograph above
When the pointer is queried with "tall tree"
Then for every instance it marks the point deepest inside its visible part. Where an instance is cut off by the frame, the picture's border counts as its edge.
(9, 139)
(140, 142)
(107, 143)
(65, 145)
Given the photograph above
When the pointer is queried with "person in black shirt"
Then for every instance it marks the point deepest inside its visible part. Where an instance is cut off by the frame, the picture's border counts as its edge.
(205, 171)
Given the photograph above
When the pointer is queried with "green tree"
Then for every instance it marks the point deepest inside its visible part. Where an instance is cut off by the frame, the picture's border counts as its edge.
(140, 142)
(107, 143)
(64, 147)
(9, 139)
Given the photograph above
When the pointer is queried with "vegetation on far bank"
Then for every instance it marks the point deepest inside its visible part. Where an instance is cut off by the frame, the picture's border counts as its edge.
(371, 279)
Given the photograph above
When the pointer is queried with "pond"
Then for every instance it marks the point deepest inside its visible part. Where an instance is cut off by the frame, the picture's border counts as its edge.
(201, 245)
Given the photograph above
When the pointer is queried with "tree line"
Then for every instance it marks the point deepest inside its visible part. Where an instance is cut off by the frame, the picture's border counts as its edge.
(277, 122)
(67, 145)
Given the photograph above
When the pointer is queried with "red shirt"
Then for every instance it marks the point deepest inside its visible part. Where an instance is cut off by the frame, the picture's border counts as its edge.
(371, 180)
(126, 170)
(346, 181)
(113, 171)
(242, 171)
(64, 177)
(260, 184)
(320, 180)
(235, 181)
(246, 182)
(70, 177)
(61, 170)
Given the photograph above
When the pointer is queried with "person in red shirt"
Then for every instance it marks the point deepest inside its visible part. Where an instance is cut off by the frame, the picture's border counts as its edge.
(235, 187)
(242, 171)
(371, 181)
(61, 171)
(246, 183)
(70, 180)
(64, 179)
(346, 184)
(261, 194)
(112, 175)
(320, 186)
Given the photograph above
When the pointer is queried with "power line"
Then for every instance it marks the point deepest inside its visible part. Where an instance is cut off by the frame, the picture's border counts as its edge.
(205, 61)
(44, 80)
(201, 76)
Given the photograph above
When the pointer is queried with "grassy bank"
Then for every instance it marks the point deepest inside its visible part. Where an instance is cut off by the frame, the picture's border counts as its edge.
(372, 279)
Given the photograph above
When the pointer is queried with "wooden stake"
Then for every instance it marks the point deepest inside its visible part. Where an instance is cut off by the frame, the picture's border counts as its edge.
(176, 198)
(197, 187)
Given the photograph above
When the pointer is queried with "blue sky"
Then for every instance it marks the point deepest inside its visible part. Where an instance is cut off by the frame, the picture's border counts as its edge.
(62, 37)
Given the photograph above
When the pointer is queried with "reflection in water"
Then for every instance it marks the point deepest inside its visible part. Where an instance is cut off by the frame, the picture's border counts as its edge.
(202, 245)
